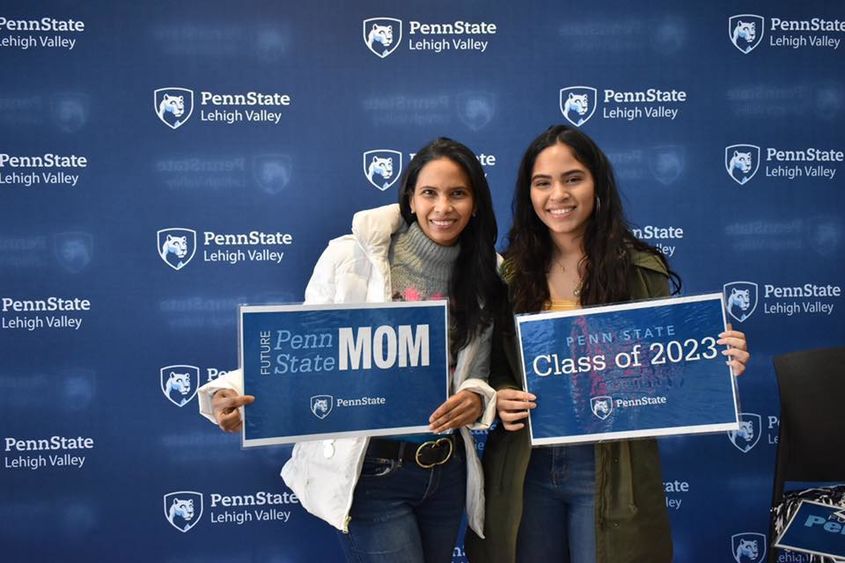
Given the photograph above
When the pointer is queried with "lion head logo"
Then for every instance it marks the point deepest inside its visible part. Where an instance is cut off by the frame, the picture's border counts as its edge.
(173, 106)
(177, 246)
(382, 35)
(602, 406)
(740, 299)
(382, 167)
(179, 383)
(578, 104)
(321, 405)
(748, 434)
(746, 31)
(742, 162)
(748, 547)
(183, 509)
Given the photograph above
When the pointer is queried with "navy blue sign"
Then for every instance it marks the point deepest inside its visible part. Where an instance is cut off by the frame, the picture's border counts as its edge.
(650, 368)
(321, 371)
(815, 528)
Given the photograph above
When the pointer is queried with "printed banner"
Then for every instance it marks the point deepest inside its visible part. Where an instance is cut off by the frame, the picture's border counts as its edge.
(815, 528)
(650, 368)
(325, 371)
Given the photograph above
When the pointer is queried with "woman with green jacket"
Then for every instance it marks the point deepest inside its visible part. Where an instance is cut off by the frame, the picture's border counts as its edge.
(570, 246)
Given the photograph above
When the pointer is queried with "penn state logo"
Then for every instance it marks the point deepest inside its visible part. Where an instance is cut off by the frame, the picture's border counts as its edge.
(382, 35)
(667, 163)
(746, 31)
(382, 167)
(177, 246)
(602, 406)
(476, 110)
(78, 389)
(74, 250)
(322, 405)
(740, 299)
(70, 111)
(750, 426)
(748, 547)
(179, 383)
(272, 172)
(578, 104)
(742, 162)
(173, 106)
(183, 509)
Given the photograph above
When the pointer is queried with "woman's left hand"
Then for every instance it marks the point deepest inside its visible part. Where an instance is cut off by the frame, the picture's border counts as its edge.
(462, 408)
(737, 352)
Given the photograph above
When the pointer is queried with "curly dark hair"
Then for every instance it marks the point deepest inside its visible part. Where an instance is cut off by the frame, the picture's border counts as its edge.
(607, 238)
(476, 293)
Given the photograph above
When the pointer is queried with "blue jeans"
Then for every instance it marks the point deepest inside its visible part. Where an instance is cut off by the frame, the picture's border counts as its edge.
(558, 518)
(402, 513)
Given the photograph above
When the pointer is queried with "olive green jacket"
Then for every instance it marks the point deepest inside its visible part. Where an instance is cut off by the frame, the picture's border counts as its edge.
(632, 525)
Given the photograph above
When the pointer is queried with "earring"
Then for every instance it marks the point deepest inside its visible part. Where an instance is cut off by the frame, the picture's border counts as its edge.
(598, 204)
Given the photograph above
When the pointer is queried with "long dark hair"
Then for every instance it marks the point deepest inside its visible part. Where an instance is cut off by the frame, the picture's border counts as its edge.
(607, 237)
(476, 292)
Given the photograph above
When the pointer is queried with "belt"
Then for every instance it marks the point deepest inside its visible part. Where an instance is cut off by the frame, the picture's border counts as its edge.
(426, 455)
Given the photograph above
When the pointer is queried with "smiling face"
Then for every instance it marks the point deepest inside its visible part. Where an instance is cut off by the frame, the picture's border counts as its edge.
(443, 201)
(562, 192)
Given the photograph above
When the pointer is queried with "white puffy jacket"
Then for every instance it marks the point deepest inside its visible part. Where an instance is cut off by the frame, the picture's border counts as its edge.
(354, 269)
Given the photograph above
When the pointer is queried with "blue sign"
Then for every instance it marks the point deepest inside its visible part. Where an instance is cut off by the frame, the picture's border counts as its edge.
(650, 368)
(815, 528)
(323, 371)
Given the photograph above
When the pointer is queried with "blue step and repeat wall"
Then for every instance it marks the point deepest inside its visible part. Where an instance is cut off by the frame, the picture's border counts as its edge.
(161, 163)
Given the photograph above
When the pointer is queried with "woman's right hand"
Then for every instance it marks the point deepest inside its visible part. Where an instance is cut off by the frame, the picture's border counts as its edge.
(513, 406)
(225, 404)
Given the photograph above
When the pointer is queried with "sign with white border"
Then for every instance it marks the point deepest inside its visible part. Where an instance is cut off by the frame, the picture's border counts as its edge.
(641, 369)
(330, 371)
(815, 528)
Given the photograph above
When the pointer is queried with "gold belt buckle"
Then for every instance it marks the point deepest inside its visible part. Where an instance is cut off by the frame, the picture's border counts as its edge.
(433, 444)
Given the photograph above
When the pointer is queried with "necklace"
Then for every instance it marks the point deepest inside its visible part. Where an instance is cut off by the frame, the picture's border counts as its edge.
(577, 291)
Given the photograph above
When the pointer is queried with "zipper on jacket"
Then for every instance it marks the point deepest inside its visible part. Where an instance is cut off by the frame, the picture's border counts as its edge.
(346, 524)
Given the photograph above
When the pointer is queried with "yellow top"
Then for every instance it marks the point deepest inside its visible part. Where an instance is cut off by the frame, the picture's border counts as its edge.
(563, 305)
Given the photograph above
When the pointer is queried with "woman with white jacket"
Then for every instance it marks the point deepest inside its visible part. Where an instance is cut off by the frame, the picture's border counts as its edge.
(401, 499)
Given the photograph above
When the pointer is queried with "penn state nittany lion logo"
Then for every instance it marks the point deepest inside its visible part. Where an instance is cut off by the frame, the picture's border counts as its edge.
(321, 405)
(179, 383)
(750, 427)
(183, 509)
(475, 110)
(667, 163)
(742, 162)
(601, 406)
(70, 111)
(577, 104)
(177, 246)
(748, 547)
(382, 167)
(74, 250)
(173, 106)
(382, 35)
(740, 299)
(272, 172)
(746, 31)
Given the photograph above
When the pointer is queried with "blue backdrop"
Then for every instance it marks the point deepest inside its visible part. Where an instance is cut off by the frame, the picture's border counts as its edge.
(250, 129)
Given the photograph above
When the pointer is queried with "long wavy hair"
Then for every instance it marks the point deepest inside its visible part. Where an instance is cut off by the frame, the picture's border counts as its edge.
(476, 293)
(607, 238)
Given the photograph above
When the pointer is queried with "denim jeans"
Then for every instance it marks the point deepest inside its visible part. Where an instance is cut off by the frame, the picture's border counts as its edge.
(558, 517)
(402, 513)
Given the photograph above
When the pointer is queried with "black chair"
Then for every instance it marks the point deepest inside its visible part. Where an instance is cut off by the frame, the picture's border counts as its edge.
(812, 422)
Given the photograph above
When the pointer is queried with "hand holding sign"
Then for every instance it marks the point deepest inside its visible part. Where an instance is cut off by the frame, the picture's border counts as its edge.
(737, 352)
(461, 409)
(226, 405)
(513, 406)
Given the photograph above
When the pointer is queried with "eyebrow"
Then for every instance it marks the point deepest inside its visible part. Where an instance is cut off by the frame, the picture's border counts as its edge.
(567, 173)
